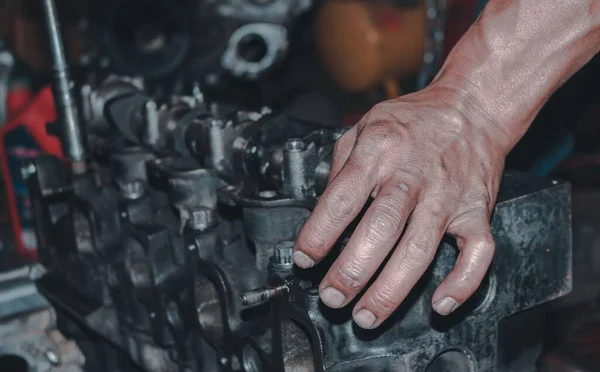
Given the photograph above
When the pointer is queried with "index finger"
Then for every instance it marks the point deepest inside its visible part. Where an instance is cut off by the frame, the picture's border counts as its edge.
(339, 205)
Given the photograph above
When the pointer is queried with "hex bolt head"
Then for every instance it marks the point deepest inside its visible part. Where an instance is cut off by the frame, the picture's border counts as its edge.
(282, 253)
(132, 190)
(294, 145)
(201, 219)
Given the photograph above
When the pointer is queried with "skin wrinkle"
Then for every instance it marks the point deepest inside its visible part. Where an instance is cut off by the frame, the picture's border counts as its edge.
(383, 300)
(387, 220)
(341, 204)
(534, 61)
(448, 143)
(350, 273)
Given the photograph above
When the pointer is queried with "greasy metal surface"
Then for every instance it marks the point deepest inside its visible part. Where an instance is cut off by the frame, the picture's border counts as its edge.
(29, 338)
(532, 265)
(162, 275)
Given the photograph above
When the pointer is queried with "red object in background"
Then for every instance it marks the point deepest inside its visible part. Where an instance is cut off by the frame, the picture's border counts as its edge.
(23, 137)
(459, 17)
(16, 100)
(351, 119)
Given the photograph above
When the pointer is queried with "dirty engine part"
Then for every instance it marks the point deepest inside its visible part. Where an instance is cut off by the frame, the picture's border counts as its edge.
(29, 338)
(175, 246)
(240, 38)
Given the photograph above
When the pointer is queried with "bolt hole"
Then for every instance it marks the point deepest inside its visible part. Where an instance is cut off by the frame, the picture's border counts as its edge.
(252, 48)
(13, 363)
(451, 361)
(252, 360)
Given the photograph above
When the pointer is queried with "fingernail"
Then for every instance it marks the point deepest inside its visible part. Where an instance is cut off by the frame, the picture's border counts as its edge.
(365, 319)
(332, 297)
(302, 260)
(445, 306)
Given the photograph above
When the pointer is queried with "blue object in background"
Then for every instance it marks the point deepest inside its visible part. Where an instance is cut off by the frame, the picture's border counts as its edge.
(558, 153)
(479, 5)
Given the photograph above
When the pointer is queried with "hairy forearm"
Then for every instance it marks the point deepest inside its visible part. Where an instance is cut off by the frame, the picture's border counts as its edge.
(516, 55)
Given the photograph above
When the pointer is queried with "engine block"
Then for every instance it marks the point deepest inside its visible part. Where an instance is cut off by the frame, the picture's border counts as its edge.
(175, 248)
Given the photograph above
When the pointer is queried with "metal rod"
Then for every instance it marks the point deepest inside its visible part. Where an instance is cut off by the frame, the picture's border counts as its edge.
(257, 296)
(70, 131)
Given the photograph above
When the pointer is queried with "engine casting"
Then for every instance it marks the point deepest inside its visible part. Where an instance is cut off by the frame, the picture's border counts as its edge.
(175, 247)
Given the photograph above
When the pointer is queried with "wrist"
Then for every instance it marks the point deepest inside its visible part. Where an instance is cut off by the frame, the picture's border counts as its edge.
(457, 93)
(510, 62)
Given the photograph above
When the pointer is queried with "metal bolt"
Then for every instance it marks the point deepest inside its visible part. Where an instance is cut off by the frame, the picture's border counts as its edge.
(52, 357)
(197, 93)
(201, 219)
(86, 101)
(283, 253)
(294, 145)
(132, 190)
(217, 123)
(152, 129)
(256, 296)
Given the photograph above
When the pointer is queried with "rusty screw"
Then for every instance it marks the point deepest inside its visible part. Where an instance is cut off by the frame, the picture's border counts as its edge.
(256, 296)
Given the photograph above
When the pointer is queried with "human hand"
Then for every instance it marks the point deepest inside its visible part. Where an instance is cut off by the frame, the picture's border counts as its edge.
(432, 161)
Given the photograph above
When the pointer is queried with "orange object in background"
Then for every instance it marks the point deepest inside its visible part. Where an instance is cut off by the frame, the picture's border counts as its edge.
(22, 25)
(366, 44)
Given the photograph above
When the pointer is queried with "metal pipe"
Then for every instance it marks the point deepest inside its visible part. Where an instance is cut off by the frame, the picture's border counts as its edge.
(70, 131)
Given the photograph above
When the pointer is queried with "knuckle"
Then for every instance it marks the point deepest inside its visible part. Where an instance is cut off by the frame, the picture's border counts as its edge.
(386, 221)
(384, 134)
(384, 301)
(420, 253)
(484, 242)
(435, 205)
(341, 204)
(467, 281)
(364, 158)
(370, 117)
(349, 276)
(385, 109)
(479, 200)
